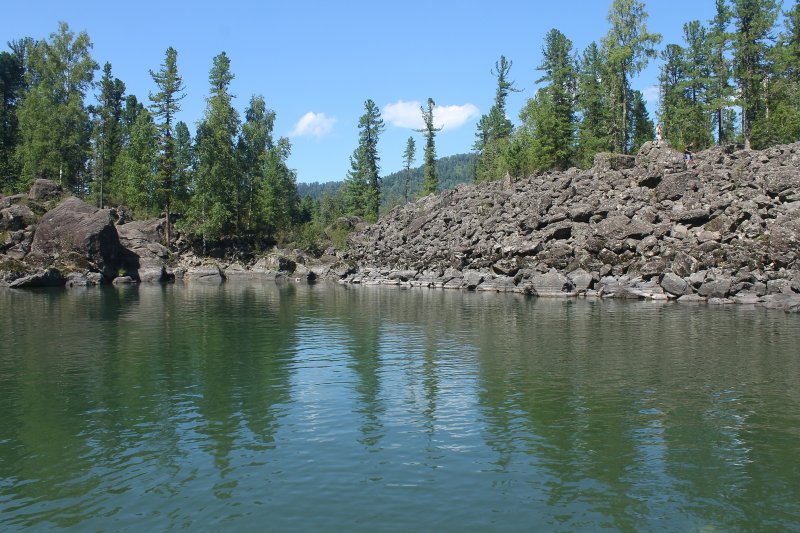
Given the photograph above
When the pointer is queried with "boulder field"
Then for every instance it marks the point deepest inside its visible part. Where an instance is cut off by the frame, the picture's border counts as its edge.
(723, 228)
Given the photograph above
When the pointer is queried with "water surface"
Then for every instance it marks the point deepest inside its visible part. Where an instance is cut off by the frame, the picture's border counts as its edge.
(310, 408)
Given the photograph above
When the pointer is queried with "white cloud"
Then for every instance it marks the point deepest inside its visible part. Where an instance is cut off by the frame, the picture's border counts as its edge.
(312, 124)
(448, 117)
(651, 94)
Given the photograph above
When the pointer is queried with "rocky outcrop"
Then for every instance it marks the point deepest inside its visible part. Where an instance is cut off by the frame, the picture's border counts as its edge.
(76, 231)
(45, 190)
(722, 227)
(143, 238)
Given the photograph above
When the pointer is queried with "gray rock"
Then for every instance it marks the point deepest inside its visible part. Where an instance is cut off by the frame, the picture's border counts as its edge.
(16, 217)
(720, 288)
(50, 277)
(204, 274)
(551, 284)
(674, 284)
(74, 227)
(43, 189)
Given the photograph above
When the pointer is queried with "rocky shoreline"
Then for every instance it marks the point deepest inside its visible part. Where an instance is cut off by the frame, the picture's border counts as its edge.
(722, 229)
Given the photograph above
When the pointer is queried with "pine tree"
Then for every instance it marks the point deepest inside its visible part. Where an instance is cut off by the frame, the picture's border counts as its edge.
(184, 165)
(430, 181)
(628, 48)
(754, 21)
(213, 204)
(278, 196)
(593, 106)
(254, 145)
(494, 128)
(108, 129)
(559, 71)
(780, 122)
(408, 161)
(363, 181)
(54, 125)
(164, 105)
(134, 180)
(720, 89)
(12, 83)
(641, 127)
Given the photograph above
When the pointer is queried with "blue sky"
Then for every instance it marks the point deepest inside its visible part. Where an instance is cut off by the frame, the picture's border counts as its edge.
(316, 62)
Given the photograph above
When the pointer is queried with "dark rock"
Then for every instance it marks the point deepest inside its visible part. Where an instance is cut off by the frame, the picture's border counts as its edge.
(74, 227)
(720, 288)
(16, 217)
(50, 277)
(621, 227)
(43, 189)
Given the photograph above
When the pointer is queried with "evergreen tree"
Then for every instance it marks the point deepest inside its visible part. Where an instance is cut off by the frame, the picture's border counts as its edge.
(164, 105)
(362, 187)
(720, 90)
(278, 197)
(54, 124)
(254, 145)
(430, 181)
(12, 83)
(184, 164)
(754, 21)
(134, 180)
(593, 106)
(628, 48)
(408, 161)
(641, 127)
(213, 204)
(780, 122)
(494, 128)
(108, 129)
(559, 70)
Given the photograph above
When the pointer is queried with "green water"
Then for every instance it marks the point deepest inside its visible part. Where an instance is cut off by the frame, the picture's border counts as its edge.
(327, 408)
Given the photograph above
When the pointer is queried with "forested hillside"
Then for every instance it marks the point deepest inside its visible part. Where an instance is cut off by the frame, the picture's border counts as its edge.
(733, 79)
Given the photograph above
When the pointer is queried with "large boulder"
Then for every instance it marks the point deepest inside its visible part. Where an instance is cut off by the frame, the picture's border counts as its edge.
(75, 228)
(143, 238)
(50, 277)
(16, 217)
(655, 160)
(45, 190)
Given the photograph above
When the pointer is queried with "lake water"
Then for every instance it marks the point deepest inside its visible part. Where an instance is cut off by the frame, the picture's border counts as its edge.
(332, 408)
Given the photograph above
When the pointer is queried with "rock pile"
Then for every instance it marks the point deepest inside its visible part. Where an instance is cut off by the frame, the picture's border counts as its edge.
(723, 228)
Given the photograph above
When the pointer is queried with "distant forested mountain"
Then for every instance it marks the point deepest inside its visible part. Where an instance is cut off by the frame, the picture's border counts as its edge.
(452, 170)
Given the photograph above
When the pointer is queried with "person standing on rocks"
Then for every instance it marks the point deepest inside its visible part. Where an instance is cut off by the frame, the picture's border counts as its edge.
(687, 153)
(659, 130)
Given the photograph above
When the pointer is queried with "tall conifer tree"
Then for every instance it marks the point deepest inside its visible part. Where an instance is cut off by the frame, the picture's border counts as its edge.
(164, 105)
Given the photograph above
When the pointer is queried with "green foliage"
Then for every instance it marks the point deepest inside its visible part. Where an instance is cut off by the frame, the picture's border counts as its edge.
(107, 130)
(54, 124)
(494, 128)
(408, 160)
(12, 84)
(134, 178)
(362, 186)
(430, 182)
(164, 105)
(754, 21)
(628, 47)
(593, 104)
(212, 209)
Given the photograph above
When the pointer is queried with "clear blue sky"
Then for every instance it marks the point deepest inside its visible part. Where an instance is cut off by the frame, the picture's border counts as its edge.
(316, 62)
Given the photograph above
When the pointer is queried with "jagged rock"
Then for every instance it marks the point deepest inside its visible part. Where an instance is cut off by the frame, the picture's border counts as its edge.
(43, 189)
(143, 238)
(720, 288)
(472, 279)
(621, 227)
(16, 217)
(8, 201)
(605, 161)
(50, 277)
(76, 227)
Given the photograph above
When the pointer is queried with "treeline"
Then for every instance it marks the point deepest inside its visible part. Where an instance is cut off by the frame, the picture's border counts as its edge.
(231, 177)
(733, 79)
